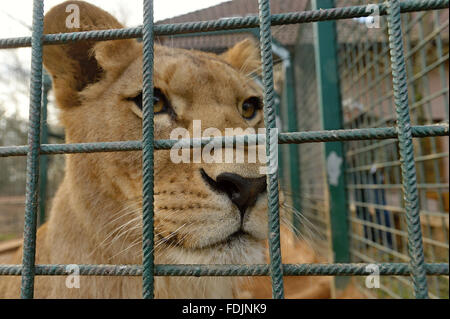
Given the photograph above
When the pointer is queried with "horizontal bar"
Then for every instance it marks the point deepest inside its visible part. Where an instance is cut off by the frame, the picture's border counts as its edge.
(226, 23)
(355, 269)
(402, 280)
(283, 138)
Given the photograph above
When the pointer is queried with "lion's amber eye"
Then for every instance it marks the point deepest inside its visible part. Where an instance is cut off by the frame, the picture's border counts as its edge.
(160, 103)
(250, 107)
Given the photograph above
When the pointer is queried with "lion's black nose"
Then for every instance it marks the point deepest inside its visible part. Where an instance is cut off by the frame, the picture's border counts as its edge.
(242, 191)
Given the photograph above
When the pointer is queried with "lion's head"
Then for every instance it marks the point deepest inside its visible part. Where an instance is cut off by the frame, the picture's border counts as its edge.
(204, 212)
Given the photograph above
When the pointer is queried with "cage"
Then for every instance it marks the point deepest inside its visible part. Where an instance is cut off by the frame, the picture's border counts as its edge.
(364, 109)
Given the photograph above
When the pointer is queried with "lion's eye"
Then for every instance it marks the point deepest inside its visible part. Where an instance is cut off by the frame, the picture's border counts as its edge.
(250, 107)
(160, 103)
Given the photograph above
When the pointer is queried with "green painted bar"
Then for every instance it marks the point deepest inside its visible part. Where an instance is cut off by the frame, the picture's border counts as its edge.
(331, 110)
(409, 177)
(276, 270)
(34, 128)
(148, 258)
(355, 269)
(380, 133)
(225, 24)
(43, 164)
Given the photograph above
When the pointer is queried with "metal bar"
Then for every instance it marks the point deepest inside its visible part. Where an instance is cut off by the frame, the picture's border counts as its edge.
(399, 280)
(34, 128)
(355, 269)
(409, 179)
(254, 31)
(276, 270)
(283, 138)
(331, 113)
(147, 154)
(423, 114)
(227, 24)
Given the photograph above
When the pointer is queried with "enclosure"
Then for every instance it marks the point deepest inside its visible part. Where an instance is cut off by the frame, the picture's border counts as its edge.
(361, 97)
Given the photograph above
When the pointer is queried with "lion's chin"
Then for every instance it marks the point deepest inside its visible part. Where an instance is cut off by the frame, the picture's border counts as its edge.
(236, 239)
(238, 248)
(239, 238)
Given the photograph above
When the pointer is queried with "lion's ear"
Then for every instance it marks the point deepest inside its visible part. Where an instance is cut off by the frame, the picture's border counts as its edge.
(75, 65)
(244, 56)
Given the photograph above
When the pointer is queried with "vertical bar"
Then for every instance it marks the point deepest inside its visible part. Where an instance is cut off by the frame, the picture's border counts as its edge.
(43, 163)
(331, 112)
(422, 115)
(294, 166)
(409, 179)
(276, 270)
(147, 153)
(34, 128)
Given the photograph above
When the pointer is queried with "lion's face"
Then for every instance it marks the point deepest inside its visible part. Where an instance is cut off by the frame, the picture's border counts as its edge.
(203, 209)
(194, 206)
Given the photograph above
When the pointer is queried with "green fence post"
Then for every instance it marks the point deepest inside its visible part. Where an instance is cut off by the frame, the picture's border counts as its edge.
(43, 163)
(325, 38)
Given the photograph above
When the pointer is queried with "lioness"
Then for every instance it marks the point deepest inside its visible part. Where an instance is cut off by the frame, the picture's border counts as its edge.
(204, 213)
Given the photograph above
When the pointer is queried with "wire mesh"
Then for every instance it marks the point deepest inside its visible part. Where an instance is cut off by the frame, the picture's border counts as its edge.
(377, 207)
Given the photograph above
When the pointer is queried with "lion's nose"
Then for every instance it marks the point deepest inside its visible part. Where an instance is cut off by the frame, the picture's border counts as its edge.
(242, 191)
